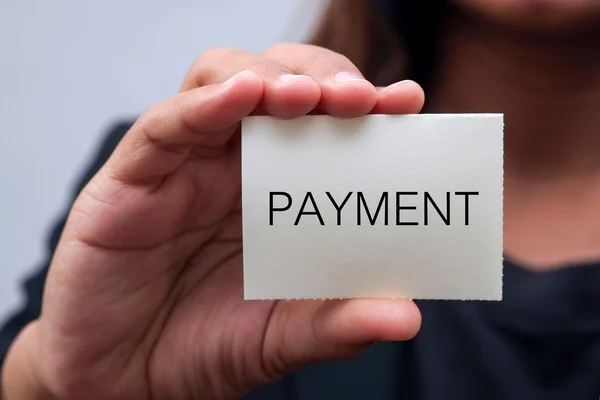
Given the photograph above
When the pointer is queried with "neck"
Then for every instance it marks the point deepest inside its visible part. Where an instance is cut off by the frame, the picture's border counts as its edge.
(549, 92)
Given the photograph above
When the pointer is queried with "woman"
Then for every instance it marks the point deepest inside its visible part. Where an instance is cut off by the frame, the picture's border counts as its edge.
(143, 296)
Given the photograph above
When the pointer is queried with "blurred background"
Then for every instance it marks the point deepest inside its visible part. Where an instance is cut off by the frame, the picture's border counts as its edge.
(71, 69)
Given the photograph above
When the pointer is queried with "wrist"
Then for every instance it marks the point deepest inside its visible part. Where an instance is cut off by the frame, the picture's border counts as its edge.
(20, 377)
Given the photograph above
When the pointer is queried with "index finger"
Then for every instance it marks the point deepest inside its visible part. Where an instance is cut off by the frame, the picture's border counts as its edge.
(162, 138)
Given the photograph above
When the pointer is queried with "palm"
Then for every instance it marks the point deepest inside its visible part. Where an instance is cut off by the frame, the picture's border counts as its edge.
(228, 329)
(189, 247)
(144, 295)
(210, 243)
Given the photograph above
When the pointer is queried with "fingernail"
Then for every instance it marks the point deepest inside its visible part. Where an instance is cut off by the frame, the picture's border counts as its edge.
(345, 76)
(293, 77)
(394, 85)
(234, 78)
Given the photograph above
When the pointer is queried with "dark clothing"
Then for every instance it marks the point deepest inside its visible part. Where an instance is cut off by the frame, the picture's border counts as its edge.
(33, 286)
(541, 342)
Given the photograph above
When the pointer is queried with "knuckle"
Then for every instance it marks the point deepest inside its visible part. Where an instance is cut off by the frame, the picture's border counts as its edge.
(182, 118)
(219, 63)
(296, 53)
(156, 118)
(150, 114)
(216, 53)
(330, 55)
(281, 48)
(203, 69)
(307, 56)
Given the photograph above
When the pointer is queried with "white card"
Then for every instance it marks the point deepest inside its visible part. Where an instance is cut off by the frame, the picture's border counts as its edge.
(311, 188)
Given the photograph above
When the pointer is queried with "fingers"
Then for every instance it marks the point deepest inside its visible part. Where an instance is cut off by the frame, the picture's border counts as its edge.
(300, 79)
(163, 136)
(288, 81)
(344, 91)
(405, 97)
(320, 331)
(360, 321)
(286, 94)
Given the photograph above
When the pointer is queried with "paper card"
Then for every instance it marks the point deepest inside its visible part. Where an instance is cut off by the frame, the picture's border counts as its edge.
(374, 207)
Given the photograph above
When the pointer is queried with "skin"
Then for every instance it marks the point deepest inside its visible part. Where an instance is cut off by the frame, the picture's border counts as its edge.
(144, 294)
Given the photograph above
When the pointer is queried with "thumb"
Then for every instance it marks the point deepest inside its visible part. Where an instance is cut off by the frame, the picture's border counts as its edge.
(302, 332)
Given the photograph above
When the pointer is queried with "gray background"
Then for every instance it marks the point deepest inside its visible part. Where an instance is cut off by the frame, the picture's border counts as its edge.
(68, 69)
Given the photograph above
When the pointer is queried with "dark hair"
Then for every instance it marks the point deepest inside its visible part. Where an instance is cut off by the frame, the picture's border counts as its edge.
(388, 40)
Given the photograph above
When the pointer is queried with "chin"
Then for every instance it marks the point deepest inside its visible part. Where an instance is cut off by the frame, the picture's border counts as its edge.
(564, 17)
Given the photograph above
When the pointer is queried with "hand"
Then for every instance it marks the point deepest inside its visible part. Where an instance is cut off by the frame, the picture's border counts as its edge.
(144, 295)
